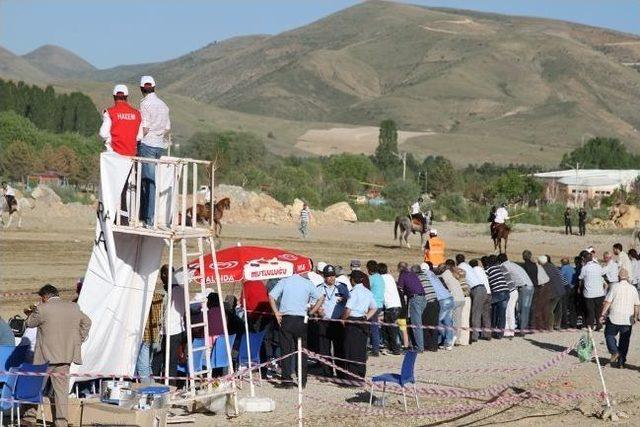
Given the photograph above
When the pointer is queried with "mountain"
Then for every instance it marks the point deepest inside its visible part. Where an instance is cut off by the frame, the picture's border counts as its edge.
(478, 86)
(17, 68)
(58, 62)
(463, 75)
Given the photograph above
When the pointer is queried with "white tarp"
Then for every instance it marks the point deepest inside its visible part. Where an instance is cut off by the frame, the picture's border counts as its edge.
(121, 276)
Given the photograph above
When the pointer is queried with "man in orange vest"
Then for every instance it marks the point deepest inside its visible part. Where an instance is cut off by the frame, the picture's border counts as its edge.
(434, 248)
(121, 128)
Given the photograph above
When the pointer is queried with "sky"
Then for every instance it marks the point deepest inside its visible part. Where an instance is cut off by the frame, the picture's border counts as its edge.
(116, 32)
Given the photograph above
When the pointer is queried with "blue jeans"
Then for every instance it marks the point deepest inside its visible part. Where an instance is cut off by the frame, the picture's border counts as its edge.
(143, 365)
(375, 332)
(148, 181)
(622, 347)
(499, 302)
(445, 319)
(417, 304)
(525, 297)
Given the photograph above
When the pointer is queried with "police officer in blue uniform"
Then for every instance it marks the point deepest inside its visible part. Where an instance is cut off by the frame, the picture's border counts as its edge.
(360, 307)
(331, 332)
(294, 294)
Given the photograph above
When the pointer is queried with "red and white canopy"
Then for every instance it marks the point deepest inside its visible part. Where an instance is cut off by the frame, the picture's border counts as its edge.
(238, 263)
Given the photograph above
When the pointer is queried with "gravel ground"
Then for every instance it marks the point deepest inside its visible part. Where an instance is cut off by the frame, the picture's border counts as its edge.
(325, 402)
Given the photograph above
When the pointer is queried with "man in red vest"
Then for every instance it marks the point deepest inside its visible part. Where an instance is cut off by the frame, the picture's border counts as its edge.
(121, 128)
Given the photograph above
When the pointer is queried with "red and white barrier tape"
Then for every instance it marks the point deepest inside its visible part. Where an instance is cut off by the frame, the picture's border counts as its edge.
(459, 393)
(89, 376)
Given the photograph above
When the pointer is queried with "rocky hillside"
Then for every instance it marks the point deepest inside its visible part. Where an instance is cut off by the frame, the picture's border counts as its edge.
(514, 89)
(466, 76)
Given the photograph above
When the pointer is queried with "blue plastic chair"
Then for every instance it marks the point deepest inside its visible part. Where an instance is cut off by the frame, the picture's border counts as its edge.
(11, 357)
(26, 389)
(255, 340)
(219, 357)
(406, 376)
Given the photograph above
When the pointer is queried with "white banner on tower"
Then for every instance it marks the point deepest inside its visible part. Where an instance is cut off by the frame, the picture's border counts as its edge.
(121, 276)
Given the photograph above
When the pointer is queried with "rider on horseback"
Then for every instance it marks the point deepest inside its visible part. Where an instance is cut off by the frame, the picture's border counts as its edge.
(498, 216)
(416, 213)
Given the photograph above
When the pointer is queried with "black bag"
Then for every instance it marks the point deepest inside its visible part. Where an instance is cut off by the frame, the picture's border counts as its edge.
(18, 325)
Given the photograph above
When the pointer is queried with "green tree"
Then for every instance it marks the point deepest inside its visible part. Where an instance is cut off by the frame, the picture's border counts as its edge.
(601, 153)
(356, 166)
(49, 111)
(18, 160)
(401, 194)
(387, 149)
(441, 175)
(516, 187)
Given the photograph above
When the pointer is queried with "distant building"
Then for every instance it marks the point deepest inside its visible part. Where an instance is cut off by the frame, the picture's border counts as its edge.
(49, 178)
(576, 187)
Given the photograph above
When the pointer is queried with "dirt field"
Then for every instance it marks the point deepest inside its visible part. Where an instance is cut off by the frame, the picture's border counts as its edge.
(58, 251)
(357, 140)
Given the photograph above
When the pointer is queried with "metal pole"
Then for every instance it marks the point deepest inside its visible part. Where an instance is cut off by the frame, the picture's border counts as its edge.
(246, 335)
(136, 211)
(187, 316)
(194, 180)
(426, 182)
(300, 382)
(575, 198)
(183, 206)
(595, 352)
(157, 177)
(167, 337)
(225, 328)
(213, 205)
(404, 166)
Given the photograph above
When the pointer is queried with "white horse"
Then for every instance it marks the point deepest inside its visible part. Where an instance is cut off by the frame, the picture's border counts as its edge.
(15, 211)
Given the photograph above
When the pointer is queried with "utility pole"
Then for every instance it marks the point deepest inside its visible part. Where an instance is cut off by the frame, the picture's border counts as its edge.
(403, 157)
(575, 201)
(426, 187)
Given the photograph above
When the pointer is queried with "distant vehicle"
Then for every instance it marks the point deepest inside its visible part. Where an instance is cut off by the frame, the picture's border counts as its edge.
(377, 201)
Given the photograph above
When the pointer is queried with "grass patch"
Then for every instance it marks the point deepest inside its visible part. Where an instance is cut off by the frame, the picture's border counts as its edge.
(69, 194)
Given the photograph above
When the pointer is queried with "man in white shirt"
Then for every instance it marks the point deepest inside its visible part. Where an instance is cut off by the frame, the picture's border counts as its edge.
(622, 304)
(622, 259)
(478, 295)
(12, 204)
(156, 126)
(610, 268)
(592, 289)
(317, 277)
(392, 307)
(416, 212)
(343, 277)
(523, 289)
(485, 316)
(501, 214)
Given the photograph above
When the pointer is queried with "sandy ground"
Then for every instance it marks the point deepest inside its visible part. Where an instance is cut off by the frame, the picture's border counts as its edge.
(56, 251)
(358, 140)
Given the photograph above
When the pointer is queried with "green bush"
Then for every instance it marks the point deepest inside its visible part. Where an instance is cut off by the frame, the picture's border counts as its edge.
(69, 194)
(368, 213)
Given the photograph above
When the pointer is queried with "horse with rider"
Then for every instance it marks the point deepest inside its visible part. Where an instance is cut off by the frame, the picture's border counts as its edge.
(416, 221)
(498, 226)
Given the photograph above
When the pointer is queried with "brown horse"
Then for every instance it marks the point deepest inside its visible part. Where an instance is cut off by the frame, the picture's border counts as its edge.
(498, 233)
(203, 213)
